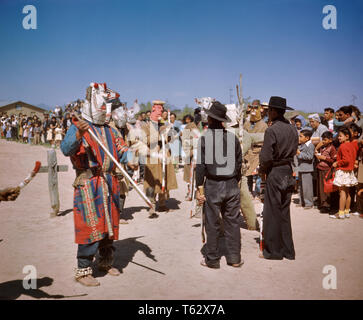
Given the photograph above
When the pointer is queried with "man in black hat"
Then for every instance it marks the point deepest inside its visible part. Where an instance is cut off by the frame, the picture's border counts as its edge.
(276, 157)
(219, 169)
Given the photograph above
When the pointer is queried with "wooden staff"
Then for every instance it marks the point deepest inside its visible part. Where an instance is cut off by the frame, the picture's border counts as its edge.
(261, 234)
(118, 165)
(31, 175)
(192, 185)
(201, 192)
(164, 164)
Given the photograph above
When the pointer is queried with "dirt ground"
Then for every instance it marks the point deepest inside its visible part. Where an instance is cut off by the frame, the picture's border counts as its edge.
(159, 258)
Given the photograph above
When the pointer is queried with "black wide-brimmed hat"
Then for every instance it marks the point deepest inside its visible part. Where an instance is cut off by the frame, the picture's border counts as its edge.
(218, 111)
(278, 102)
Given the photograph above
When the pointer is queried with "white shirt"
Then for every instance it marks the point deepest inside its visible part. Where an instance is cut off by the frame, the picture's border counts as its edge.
(331, 124)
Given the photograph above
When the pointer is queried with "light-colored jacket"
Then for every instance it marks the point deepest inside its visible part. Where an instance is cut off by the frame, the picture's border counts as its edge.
(306, 157)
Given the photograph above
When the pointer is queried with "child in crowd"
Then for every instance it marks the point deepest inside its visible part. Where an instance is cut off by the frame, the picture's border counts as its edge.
(305, 157)
(325, 153)
(58, 135)
(30, 132)
(360, 183)
(50, 135)
(21, 124)
(25, 132)
(298, 125)
(355, 132)
(37, 130)
(8, 131)
(344, 175)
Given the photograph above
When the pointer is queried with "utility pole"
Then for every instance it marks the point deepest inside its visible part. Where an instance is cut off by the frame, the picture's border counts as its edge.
(353, 99)
(230, 95)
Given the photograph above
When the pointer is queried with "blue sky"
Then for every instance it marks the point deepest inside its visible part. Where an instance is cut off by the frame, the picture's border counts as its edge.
(181, 49)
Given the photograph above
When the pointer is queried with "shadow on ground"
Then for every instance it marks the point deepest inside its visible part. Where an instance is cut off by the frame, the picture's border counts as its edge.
(173, 204)
(12, 290)
(125, 251)
(127, 213)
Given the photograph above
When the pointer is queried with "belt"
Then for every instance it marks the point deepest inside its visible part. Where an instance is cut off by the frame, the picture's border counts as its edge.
(216, 178)
(282, 163)
(85, 174)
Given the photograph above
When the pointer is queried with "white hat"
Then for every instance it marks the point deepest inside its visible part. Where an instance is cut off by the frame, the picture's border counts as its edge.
(315, 117)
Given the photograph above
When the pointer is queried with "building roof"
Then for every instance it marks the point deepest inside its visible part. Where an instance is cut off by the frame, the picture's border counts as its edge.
(4, 104)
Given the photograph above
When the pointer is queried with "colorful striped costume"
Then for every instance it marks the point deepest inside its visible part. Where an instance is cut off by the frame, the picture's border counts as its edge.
(97, 192)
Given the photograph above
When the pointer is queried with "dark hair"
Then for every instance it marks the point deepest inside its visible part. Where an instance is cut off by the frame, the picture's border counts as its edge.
(356, 111)
(346, 110)
(297, 119)
(306, 133)
(188, 116)
(327, 135)
(355, 128)
(329, 109)
(345, 131)
(197, 118)
(173, 114)
(279, 111)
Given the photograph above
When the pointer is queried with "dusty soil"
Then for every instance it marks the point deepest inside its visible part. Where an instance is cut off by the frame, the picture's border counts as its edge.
(28, 236)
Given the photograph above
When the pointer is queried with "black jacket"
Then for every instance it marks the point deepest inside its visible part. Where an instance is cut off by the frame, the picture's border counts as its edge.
(219, 156)
(280, 145)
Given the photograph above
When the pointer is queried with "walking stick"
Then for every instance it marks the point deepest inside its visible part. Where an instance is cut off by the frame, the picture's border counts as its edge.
(201, 192)
(164, 163)
(192, 186)
(262, 241)
(241, 116)
(118, 165)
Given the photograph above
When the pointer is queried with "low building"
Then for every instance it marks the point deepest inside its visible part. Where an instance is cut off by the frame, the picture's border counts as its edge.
(18, 107)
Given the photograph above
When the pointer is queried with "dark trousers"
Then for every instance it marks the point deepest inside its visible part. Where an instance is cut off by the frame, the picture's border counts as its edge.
(223, 197)
(360, 199)
(250, 183)
(353, 201)
(142, 162)
(276, 214)
(87, 252)
(323, 198)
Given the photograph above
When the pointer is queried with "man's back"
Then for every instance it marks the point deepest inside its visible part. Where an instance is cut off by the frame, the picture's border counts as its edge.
(220, 155)
(280, 143)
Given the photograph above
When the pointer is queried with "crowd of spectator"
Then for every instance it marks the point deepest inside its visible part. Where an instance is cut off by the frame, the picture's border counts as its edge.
(328, 163)
(49, 129)
(328, 145)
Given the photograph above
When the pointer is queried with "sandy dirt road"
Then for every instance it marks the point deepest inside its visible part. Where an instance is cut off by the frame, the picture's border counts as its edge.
(159, 259)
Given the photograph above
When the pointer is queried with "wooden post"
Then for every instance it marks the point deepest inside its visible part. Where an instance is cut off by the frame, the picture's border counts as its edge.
(53, 182)
(52, 169)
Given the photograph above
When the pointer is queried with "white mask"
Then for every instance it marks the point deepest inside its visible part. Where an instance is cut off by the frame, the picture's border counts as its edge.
(205, 103)
(122, 115)
(97, 105)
